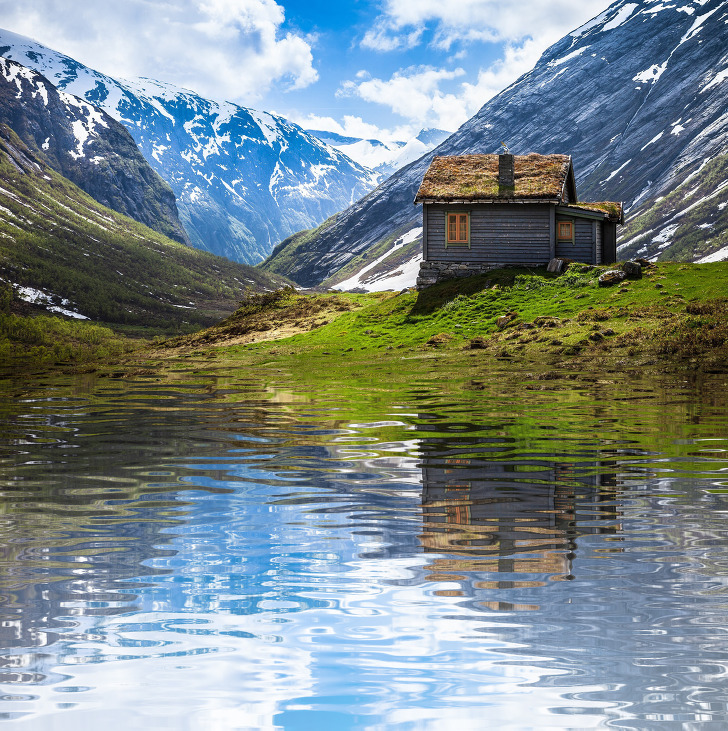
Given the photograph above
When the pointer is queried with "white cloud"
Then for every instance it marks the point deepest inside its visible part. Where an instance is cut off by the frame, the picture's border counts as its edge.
(402, 23)
(232, 49)
(413, 94)
(523, 30)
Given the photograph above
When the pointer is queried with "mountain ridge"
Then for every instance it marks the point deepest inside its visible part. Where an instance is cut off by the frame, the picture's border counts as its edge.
(87, 147)
(243, 179)
(73, 256)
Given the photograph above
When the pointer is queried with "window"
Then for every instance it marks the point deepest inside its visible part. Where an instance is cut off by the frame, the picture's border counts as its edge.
(565, 230)
(458, 229)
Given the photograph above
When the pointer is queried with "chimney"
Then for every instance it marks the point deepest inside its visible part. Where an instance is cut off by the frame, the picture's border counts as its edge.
(506, 171)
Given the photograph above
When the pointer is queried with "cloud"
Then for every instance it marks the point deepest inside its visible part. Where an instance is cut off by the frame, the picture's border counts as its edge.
(414, 94)
(403, 23)
(522, 32)
(231, 49)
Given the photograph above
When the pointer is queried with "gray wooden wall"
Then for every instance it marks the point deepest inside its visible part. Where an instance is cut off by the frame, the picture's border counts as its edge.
(499, 234)
(582, 248)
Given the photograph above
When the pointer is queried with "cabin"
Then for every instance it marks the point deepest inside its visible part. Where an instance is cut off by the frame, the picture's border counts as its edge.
(480, 212)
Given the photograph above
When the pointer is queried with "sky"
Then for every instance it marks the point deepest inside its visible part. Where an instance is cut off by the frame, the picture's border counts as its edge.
(380, 69)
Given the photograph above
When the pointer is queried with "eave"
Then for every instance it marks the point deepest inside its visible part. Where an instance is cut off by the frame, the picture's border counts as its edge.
(471, 202)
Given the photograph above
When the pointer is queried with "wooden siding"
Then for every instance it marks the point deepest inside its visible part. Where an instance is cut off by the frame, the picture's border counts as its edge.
(582, 248)
(600, 255)
(609, 243)
(499, 234)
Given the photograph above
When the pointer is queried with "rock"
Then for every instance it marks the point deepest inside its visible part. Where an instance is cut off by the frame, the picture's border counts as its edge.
(632, 269)
(611, 277)
(477, 343)
(608, 332)
(505, 320)
(595, 337)
(555, 266)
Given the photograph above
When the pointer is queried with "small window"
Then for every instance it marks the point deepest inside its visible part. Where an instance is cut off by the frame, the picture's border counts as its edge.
(458, 229)
(566, 231)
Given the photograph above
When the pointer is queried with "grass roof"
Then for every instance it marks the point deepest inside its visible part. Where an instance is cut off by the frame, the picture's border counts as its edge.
(613, 210)
(475, 177)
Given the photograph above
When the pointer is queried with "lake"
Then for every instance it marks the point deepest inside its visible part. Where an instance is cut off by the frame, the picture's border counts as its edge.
(212, 548)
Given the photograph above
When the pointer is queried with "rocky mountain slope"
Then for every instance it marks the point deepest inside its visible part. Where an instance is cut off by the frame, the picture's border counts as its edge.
(243, 179)
(65, 252)
(637, 96)
(88, 147)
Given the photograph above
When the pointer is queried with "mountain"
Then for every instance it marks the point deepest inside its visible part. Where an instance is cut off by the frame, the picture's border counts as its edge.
(243, 179)
(384, 158)
(88, 147)
(67, 253)
(637, 96)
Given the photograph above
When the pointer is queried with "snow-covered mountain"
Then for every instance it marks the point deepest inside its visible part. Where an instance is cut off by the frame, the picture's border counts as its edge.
(243, 179)
(384, 158)
(87, 147)
(638, 96)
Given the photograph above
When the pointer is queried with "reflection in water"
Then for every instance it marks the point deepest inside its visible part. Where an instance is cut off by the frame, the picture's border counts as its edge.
(215, 553)
(507, 518)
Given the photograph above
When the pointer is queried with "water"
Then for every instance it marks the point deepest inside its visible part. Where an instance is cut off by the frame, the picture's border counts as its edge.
(217, 549)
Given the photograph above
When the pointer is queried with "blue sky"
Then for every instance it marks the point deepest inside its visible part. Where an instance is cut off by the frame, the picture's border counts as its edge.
(382, 68)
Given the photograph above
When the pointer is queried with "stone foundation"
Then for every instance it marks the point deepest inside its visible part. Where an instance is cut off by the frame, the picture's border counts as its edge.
(432, 272)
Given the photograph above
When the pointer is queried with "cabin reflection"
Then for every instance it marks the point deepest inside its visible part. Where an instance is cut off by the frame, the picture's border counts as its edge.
(517, 520)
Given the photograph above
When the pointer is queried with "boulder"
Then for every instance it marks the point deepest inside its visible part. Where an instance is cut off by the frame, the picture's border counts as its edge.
(611, 277)
(555, 266)
(632, 269)
(505, 320)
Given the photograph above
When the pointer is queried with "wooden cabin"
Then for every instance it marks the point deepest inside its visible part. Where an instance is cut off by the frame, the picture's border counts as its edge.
(480, 212)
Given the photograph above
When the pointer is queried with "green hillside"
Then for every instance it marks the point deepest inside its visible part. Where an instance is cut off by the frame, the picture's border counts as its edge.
(675, 313)
(87, 259)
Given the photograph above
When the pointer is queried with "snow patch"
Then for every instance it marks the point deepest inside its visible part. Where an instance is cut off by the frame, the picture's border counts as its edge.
(268, 126)
(84, 127)
(39, 297)
(405, 277)
(717, 79)
(664, 238)
(652, 74)
(568, 57)
(615, 172)
(654, 139)
(589, 25)
(624, 13)
(720, 255)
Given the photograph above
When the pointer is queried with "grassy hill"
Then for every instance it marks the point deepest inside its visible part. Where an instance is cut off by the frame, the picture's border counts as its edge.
(69, 254)
(674, 313)
(109, 268)
(688, 224)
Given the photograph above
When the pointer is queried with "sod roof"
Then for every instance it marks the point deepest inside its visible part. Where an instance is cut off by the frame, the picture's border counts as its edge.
(475, 177)
(613, 211)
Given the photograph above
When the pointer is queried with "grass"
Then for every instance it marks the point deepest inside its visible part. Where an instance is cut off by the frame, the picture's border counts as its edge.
(39, 342)
(676, 312)
(112, 269)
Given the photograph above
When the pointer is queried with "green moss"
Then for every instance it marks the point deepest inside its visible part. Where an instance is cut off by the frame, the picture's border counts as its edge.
(519, 312)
